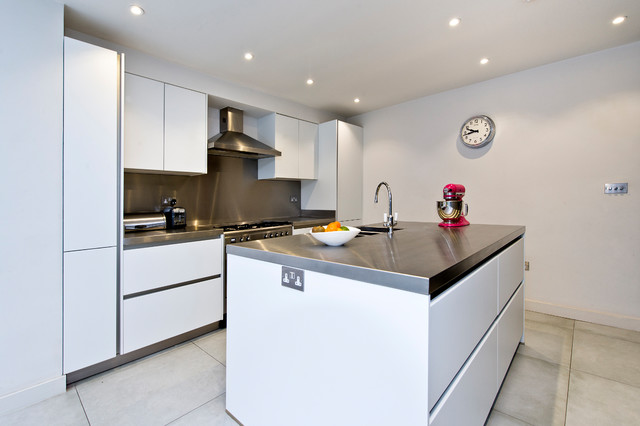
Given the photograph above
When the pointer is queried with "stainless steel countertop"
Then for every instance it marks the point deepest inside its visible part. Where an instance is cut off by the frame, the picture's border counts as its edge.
(169, 236)
(420, 257)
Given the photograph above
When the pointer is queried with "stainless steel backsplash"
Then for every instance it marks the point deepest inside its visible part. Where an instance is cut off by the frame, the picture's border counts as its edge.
(229, 193)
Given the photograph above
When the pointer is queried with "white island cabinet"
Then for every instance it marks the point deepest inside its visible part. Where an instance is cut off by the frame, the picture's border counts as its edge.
(91, 203)
(339, 183)
(380, 331)
(165, 128)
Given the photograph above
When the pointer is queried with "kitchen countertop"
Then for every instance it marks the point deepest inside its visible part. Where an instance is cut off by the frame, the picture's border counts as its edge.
(169, 236)
(420, 257)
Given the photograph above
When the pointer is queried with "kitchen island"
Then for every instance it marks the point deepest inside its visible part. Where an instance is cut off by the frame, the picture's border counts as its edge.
(417, 328)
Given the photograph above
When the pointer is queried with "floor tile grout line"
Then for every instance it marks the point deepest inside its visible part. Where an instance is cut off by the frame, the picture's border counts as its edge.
(84, 410)
(566, 403)
(513, 417)
(202, 349)
(196, 408)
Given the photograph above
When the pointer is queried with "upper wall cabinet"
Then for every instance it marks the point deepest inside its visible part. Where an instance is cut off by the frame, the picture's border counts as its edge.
(297, 140)
(165, 128)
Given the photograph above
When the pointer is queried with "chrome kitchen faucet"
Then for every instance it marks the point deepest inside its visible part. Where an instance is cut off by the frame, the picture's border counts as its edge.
(388, 218)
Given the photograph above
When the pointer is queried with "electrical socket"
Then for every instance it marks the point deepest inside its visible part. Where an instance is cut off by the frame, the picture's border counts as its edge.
(616, 188)
(526, 265)
(293, 199)
(166, 200)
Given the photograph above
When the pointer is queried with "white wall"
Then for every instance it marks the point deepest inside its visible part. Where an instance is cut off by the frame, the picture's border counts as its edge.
(140, 63)
(563, 131)
(31, 173)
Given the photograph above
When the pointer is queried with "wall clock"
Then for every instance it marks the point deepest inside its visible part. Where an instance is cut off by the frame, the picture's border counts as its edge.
(477, 131)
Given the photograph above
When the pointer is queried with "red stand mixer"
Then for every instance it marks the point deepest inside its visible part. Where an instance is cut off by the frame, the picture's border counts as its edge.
(453, 210)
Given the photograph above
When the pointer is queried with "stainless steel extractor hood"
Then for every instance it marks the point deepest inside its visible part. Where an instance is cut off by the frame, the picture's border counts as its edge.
(231, 142)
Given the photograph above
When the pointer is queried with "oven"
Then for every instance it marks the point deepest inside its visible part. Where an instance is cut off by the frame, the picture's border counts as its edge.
(241, 233)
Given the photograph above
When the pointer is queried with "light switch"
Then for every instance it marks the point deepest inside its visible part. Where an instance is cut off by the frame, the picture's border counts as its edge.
(616, 188)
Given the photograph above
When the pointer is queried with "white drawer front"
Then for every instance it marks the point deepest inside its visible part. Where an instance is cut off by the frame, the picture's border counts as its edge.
(510, 271)
(470, 397)
(458, 318)
(510, 329)
(158, 316)
(152, 267)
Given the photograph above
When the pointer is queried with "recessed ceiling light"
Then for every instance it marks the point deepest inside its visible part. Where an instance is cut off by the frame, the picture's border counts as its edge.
(484, 61)
(356, 100)
(619, 20)
(248, 56)
(136, 10)
(309, 81)
(454, 22)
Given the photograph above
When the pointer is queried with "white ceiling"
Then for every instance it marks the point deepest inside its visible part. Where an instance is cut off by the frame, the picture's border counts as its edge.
(381, 51)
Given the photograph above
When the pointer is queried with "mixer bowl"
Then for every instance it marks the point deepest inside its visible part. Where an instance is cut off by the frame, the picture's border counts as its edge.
(449, 210)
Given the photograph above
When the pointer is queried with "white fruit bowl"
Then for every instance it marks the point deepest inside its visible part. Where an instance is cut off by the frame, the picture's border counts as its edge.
(336, 238)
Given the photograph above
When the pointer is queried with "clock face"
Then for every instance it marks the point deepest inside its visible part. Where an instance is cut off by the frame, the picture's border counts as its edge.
(477, 131)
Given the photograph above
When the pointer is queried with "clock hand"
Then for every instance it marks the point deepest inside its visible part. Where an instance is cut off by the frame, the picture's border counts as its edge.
(472, 131)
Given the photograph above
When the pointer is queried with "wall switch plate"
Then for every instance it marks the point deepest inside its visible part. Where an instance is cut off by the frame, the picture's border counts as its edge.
(616, 188)
(292, 278)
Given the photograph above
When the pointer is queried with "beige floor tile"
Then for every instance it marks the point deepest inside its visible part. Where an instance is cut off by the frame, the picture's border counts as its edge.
(607, 357)
(548, 319)
(594, 400)
(548, 342)
(62, 410)
(500, 419)
(620, 333)
(210, 414)
(155, 390)
(534, 391)
(215, 344)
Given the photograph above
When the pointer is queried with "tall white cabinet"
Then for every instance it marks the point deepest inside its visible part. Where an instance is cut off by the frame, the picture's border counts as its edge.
(339, 184)
(165, 127)
(91, 203)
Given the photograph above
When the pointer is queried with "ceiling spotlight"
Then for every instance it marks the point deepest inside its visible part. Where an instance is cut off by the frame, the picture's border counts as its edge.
(484, 61)
(136, 10)
(309, 81)
(454, 22)
(248, 56)
(356, 100)
(619, 20)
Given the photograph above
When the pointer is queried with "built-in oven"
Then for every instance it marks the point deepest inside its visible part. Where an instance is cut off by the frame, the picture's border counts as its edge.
(244, 232)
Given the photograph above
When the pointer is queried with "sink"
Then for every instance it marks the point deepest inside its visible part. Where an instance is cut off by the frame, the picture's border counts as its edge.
(376, 229)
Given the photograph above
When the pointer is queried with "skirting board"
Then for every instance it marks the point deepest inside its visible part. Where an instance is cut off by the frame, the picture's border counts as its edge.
(31, 395)
(597, 317)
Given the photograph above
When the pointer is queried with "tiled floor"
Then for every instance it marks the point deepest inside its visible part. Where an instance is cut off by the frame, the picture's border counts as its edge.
(569, 372)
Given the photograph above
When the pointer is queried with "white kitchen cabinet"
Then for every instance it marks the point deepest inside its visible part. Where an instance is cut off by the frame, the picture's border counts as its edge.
(458, 318)
(470, 397)
(165, 128)
(169, 290)
(510, 332)
(91, 203)
(297, 140)
(339, 183)
(152, 267)
(90, 146)
(511, 271)
(89, 307)
(144, 123)
(161, 315)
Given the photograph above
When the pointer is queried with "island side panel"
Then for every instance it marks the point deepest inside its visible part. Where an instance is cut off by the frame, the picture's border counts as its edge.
(339, 352)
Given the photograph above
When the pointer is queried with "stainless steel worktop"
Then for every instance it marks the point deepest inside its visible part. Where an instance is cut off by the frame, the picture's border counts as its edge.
(420, 257)
(169, 236)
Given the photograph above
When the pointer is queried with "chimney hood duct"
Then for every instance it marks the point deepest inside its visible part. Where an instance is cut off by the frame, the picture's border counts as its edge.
(231, 142)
